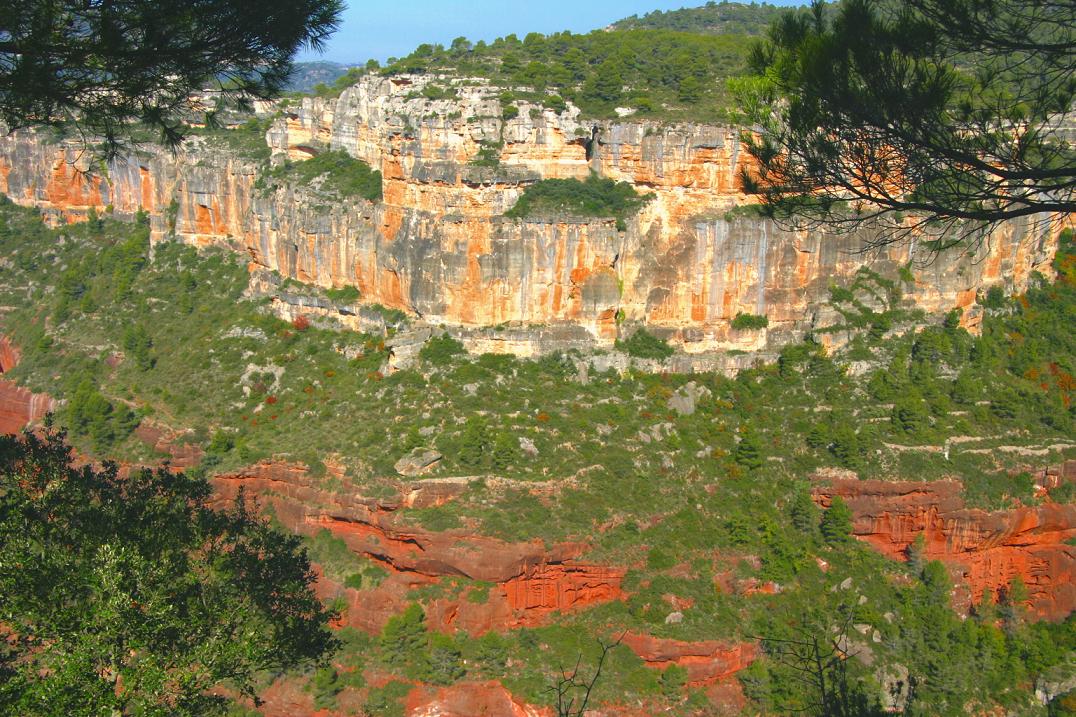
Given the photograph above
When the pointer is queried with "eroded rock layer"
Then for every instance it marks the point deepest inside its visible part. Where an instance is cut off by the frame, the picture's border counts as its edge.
(529, 581)
(706, 662)
(19, 407)
(438, 246)
(986, 549)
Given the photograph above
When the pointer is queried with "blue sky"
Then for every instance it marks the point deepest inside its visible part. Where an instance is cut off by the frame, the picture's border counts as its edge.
(380, 29)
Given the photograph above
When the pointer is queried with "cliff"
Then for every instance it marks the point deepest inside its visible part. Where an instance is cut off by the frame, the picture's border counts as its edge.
(986, 550)
(438, 247)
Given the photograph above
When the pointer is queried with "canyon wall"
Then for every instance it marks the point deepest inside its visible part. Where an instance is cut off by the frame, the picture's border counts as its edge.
(438, 247)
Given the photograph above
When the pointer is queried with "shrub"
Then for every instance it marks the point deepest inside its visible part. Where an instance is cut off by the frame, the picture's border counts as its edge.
(643, 344)
(749, 322)
(596, 197)
(343, 173)
(439, 350)
(343, 295)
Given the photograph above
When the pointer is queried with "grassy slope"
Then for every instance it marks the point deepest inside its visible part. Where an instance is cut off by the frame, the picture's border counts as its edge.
(676, 506)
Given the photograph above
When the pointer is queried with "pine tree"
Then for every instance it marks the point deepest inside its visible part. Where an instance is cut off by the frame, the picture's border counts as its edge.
(804, 512)
(837, 522)
(474, 445)
(505, 450)
(404, 635)
(749, 450)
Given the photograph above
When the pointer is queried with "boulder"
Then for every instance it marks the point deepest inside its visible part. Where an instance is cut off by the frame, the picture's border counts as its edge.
(418, 462)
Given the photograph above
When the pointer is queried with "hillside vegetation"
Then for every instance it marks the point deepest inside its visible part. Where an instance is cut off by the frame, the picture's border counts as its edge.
(715, 18)
(677, 498)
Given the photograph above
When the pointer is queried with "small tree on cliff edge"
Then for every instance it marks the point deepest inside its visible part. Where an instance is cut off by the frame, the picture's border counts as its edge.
(104, 65)
(131, 596)
(951, 111)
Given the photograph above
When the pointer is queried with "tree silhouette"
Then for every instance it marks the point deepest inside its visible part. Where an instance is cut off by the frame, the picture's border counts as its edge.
(948, 114)
(103, 65)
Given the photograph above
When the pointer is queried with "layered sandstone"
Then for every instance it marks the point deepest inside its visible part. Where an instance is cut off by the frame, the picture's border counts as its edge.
(469, 699)
(19, 407)
(706, 662)
(439, 248)
(986, 549)
(529, 581)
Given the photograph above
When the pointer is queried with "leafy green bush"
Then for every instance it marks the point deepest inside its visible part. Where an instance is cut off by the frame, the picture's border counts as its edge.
(596, 197)
(643, 344)
(343, 295)
(345, 175)
(440, 350)
(749, 322)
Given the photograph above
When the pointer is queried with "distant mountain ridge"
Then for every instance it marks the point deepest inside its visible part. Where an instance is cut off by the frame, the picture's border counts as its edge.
(713, 18)
(307, 74)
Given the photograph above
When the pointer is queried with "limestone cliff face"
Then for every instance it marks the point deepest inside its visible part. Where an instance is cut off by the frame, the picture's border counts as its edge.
(438, 247)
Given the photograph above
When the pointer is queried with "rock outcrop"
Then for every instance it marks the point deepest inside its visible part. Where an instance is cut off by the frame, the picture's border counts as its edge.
(19, 407)
(469, 699)
(987, 550)
(438, 247)
(529, 581)
(706, 662)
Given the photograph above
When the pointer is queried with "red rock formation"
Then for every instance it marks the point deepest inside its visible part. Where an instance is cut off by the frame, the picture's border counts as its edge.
(469, 699)
(987, 550)
(163, 440)
(706, 662)
(531, 582)
(9, 355)
(19, 407)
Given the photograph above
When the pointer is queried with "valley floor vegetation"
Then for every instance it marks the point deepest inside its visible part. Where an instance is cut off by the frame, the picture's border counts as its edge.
(721, 490)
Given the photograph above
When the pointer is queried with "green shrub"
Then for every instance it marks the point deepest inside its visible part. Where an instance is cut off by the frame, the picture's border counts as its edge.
(643, 344)
(440, 350)
(596, 197)
(345, 175)
(343, 295)
(749, 322)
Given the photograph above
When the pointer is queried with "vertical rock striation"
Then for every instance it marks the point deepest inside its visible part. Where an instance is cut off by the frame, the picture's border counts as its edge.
(438, 246)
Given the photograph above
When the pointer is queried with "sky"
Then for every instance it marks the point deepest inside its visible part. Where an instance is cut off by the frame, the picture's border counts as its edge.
(381, 29)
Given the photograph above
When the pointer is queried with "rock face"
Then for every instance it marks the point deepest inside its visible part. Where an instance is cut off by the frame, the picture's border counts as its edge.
(706, 662)
(529, 581)
(19, 407)
(438, 246)
(469, 699)
(987, 550)
(417, 462)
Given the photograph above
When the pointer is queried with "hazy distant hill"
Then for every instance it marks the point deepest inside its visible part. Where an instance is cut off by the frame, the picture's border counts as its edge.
(712, 18)
(308, 74)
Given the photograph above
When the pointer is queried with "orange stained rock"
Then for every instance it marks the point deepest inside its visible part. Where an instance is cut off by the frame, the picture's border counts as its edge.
(68, 187)
(987, 550)
(146, 186)
(469, 699)
(706, 662)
